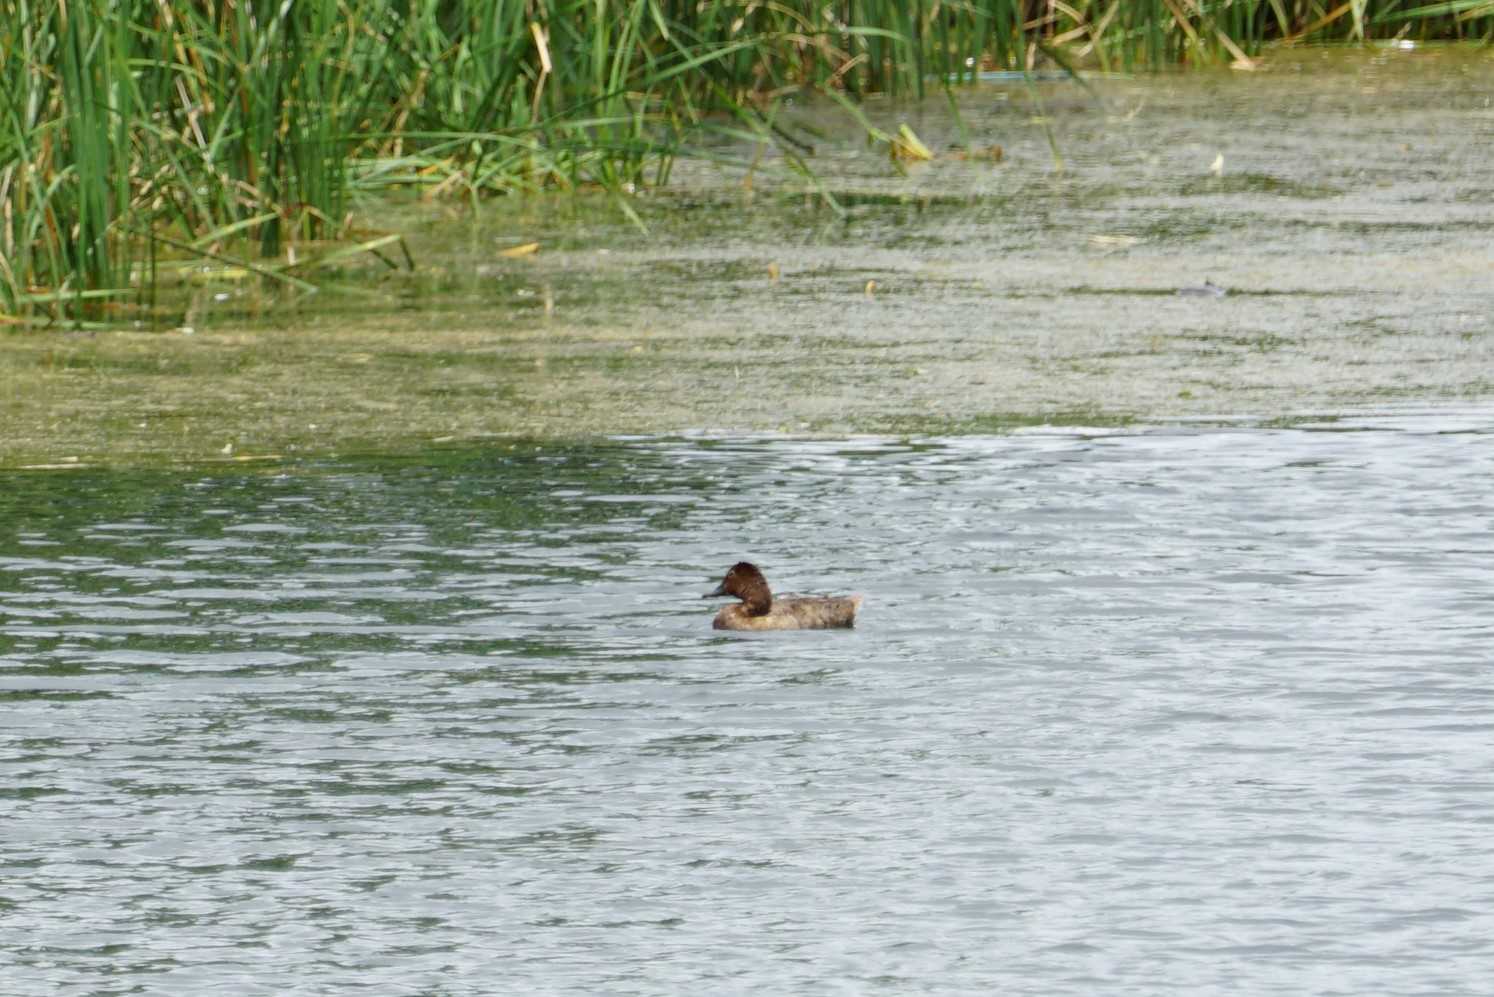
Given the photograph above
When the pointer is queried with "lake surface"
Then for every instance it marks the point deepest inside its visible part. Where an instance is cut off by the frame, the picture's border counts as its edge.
(1168, 710)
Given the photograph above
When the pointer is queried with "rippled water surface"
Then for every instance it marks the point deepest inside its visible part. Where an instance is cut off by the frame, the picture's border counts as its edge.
(1165, 711)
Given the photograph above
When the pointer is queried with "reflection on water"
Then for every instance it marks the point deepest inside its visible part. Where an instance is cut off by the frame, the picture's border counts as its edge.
(1183, 710)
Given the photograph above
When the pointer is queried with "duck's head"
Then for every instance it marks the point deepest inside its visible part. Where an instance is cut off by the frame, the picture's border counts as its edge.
(748, 584)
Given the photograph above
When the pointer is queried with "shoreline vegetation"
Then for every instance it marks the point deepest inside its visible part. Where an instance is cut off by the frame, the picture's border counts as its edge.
(139, 139)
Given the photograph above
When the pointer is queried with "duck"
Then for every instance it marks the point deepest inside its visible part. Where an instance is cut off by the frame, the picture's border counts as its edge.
(758, 610)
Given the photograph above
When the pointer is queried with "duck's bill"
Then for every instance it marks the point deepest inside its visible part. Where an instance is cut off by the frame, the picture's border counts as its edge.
(719, 590)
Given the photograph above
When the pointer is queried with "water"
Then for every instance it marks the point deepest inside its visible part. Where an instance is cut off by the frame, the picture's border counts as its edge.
(1173, 710)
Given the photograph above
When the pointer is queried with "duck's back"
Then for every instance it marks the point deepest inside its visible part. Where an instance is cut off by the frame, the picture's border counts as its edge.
(804, 612)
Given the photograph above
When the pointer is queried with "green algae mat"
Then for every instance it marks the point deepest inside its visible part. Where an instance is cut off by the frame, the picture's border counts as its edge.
(1309, 238)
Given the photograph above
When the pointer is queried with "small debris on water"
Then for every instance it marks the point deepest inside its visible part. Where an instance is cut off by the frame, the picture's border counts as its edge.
(1114, 241)
(993, 153)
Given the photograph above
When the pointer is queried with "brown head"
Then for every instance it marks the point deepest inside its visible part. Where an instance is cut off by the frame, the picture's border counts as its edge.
(748, 584)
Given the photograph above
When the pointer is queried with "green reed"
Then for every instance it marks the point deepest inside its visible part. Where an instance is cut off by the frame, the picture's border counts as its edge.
(133, 131)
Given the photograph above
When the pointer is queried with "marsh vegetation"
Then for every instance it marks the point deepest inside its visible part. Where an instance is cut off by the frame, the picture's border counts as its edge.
(1348, 231)
(139, 138)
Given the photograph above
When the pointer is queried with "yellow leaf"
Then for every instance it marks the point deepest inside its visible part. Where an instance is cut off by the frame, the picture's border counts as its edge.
(907, 145)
